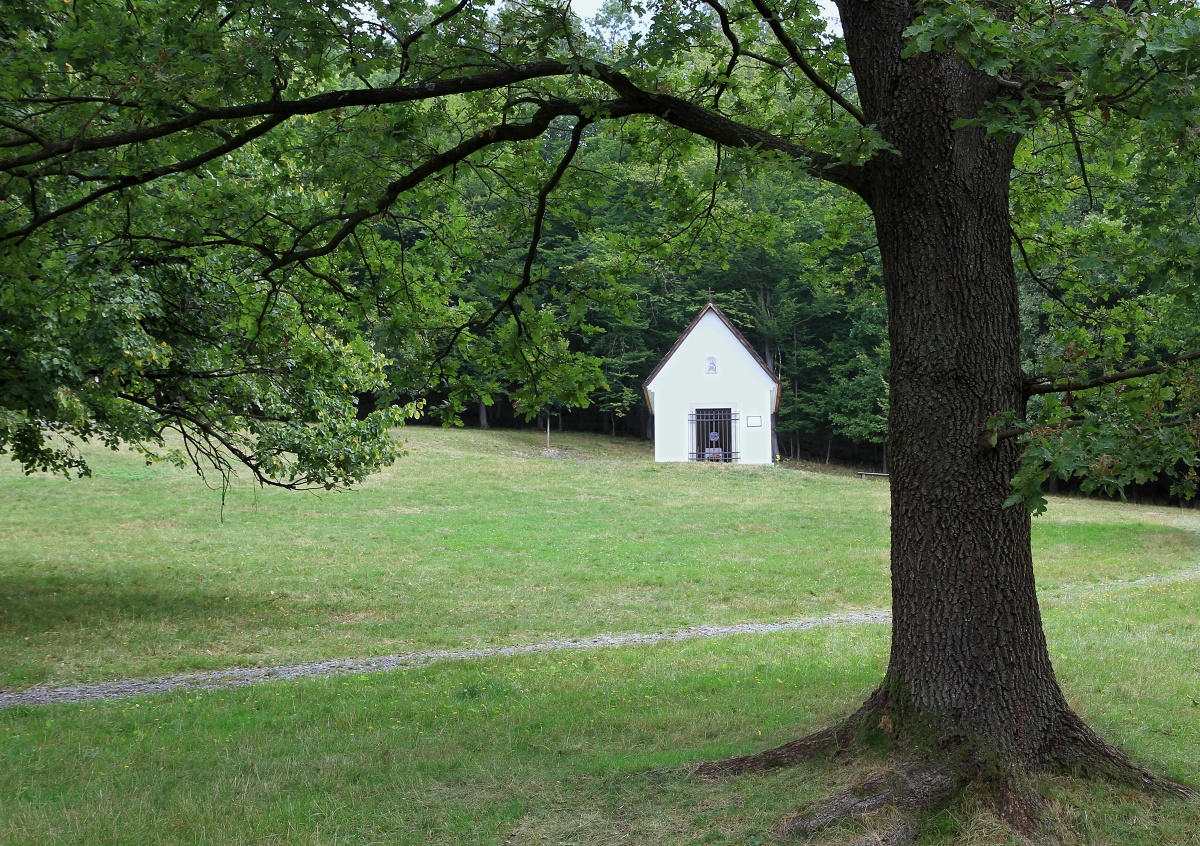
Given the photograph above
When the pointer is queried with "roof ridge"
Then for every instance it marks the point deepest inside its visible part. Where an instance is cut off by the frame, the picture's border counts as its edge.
(710, 306)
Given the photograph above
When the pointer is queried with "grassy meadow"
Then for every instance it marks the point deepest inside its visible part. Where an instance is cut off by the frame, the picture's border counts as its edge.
(479, 538)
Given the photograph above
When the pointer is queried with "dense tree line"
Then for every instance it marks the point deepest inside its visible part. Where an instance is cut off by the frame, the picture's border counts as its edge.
(792, 262)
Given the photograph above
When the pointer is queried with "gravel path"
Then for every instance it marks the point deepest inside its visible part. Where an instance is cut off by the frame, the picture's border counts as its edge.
(343, 666)
(241, 677)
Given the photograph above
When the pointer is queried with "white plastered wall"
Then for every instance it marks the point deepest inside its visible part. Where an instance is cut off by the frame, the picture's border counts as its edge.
(682, 385)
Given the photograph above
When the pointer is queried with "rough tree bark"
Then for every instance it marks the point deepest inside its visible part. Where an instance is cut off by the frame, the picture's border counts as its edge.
(968, 650)
(970, 690)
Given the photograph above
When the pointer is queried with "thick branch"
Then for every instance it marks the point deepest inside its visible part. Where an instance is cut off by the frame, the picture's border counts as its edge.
(501, 133)
(306, 106)
(681, 113)
(730, 133)
(793, 51)
(634, 101)
(132, 181)
(1108, 378)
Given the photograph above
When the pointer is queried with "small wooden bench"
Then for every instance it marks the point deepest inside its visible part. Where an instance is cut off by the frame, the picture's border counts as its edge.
(862, 474)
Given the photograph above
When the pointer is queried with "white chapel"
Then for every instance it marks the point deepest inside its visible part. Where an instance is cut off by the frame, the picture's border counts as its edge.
(712, 396)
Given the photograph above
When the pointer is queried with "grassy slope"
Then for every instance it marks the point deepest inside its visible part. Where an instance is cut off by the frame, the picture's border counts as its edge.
(463, 543)
(560, 748)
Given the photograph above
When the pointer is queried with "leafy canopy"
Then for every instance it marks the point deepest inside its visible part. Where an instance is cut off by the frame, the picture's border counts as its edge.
(233, 219)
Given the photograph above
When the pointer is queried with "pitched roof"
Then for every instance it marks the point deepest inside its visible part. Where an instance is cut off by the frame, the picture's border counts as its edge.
(734, 330)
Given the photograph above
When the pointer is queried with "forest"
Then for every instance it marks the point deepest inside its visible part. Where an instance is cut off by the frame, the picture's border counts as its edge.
(795, 264)
(792, 262)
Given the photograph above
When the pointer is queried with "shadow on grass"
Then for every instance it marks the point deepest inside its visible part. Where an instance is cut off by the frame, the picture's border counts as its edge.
(56, 629)
(40, 604)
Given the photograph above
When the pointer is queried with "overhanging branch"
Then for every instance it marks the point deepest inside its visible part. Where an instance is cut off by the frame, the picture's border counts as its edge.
(707, 123)
(1075, 423)
(795, 54)
(484, 81)
(634, 101)
(1108, 378)
(501, 133)
(133, 180)
(730, 133)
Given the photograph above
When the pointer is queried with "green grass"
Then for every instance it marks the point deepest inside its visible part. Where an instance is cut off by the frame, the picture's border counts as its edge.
(465, 753)
(463, 543)
(579, 748)
(467, 543)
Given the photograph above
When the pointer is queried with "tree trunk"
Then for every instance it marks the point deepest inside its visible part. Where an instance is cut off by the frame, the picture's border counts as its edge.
(968, 651)
(483, 421)
(970, 693)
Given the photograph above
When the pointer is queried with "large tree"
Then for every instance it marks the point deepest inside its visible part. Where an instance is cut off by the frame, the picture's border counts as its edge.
(193, 191)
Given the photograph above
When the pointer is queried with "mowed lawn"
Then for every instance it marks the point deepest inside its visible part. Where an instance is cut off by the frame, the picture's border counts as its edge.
(477, 538)
(472, 539)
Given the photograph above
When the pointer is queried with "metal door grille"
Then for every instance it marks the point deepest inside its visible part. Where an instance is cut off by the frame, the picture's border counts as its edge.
(714, 435)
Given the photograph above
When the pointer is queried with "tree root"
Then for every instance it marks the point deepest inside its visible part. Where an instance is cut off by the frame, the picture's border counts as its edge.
(1025, 811)
(1082, 751)
(832, 740)
(914, 788)
(787, 755)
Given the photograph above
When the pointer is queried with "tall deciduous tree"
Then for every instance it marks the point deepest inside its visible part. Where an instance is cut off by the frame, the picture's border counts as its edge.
(262, 159)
